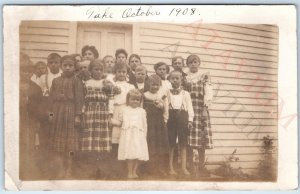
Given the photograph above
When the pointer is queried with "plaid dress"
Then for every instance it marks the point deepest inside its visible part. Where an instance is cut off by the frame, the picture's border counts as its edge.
(200, 136)
(66, 95)
(96, 135)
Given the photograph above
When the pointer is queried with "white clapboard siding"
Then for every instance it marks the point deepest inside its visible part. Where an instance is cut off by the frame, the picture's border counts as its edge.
(242, 61)
(40, 38)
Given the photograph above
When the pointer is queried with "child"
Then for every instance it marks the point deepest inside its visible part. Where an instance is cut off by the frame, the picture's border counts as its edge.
(200, 88)
(96, 135)
(141, 79)
(67, 98)
(54, 71)
(83, 71)
(162, 69)
(134, 61)
(121, 56)
(119, 100)
(109, 63)
(181, 117)
(133, 144)
(177, 64)
(40, 68)
(89, 53)
(156, 106)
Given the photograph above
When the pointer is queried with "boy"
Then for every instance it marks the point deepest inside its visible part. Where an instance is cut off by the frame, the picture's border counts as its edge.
(40, 68)
(180, 120)
(141, 79)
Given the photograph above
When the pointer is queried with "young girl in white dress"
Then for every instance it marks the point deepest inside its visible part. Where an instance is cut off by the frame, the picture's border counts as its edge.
(133, 138)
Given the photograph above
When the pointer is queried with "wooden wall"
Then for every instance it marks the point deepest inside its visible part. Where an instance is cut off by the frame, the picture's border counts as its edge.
(242, 60)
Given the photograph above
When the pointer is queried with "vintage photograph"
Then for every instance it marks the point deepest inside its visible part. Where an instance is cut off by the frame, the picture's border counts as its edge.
(162, 101)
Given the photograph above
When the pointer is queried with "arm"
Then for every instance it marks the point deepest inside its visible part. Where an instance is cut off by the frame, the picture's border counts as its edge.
(145, 122)
(189, 106)
(166, 109)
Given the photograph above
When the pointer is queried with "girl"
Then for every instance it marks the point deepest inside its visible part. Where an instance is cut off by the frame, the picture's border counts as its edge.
(156, 106)
(96, 135)
(119, 101)
(134, 61)
(162, 69)
(66, 95)
(177, 64)
(89, 52)
(133, 144)
(200, 88)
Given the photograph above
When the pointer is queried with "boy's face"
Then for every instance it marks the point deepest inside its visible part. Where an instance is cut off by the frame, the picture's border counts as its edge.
(89, 55)
(140, 76)
(40, 70)
(161, 71)
(121, 74)
(83, 65)
(54, 65)
(68, 67)
(134, 101)
(177, 64)
(133, 63)
(154, 87)
(109, 63)
(193, 66)
(121, 57)
(175, 79)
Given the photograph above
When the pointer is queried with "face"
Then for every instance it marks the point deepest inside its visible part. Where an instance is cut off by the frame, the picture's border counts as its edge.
(83, 66)
(89, 55)
(97, 72)
(109, 64)
(193, 65)
(154, 87)
(177, 64)
(121, 57)
(175, 80)
(121, 74)
(40, 70)
(54, 65)
(134, 62)
(134, 101)
(68, 67)
(140, 76)
(161, 71)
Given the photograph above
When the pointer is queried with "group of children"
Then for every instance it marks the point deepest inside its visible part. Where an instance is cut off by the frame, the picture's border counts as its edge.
(110, 110)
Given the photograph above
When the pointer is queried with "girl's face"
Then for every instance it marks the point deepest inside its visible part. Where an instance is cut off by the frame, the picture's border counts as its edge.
(121, 57)
(175, 80)
(109, 63)
(88, 55)
(133, 63)
(54, 65)
(154, 87)
(177, 64)
(134, 101)
(193, 66)
(40, 70)
(97, 72)
(121, 74)
(68, 67)
(161, 71)
(140, 76)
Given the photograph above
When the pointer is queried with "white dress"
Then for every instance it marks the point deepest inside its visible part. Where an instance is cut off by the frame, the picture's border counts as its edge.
(133, 137)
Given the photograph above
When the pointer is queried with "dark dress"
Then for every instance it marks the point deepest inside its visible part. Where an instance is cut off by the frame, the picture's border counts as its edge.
(67, 97)
(157, 137)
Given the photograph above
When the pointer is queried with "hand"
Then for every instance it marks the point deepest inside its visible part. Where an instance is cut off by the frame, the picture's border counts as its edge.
(77, 121)
(190, 125)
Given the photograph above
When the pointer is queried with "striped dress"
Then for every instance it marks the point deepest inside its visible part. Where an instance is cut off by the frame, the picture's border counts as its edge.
(96, 135)
(200, 136)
